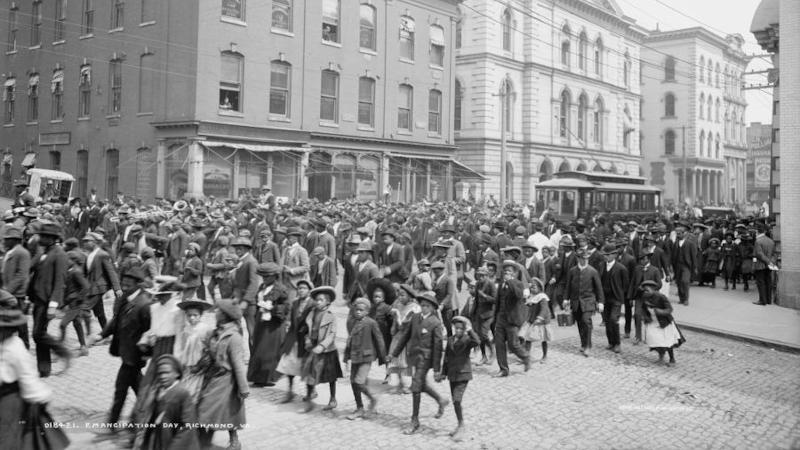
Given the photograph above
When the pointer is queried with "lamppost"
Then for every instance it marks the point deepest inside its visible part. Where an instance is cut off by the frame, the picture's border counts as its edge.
(504, 93)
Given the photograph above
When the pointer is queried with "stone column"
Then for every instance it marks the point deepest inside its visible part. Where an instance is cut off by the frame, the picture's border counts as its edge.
(194, 188)
(236, 172)
(698, 185)
(385, 166)
(428, 180)
(301, 175)
(161, 169)
(270, 164)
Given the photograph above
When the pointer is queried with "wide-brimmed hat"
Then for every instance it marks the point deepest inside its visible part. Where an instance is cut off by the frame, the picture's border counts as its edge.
(242, 242)
(609, 249)
(195, 304)
(531, 246)
(514, 264)
(304, 281)
(447, 228)
(12, 233)
(389, 293)
(566, 241)
(510, 248)
(409, 290)
(354, 239)
(180, 205)
(32, 212)
(365, 247)
(268, 269)
(324, 290)
(443, 244)
(429, 297)
(539, 282)
(294, 231)
(389, 232)
(423, 262)
(49, 229)
(437, 265)
(230, 309)
(12, 317)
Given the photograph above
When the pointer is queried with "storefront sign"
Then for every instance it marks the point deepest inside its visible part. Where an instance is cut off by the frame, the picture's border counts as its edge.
(762, 172)
(54, 138)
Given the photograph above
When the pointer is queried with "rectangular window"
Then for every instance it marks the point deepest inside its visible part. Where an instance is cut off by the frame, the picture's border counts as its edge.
(147, 83)
(115, 86)
(85, 92)
(407, 27)
(282, 15)
(233, 8)
(87, 17)
(112, 172)
(13, 28)
(280, 89)
(57, 93)
(437, 46)
(367, 35)
(60, 20)
(435, 112)
(55, 160)
(33, 98)
(36, 24)
(405, 105)
(118, 14)
(9, 97)
(330, 21)
(148, 11)
(366, 101)
(230, 83)
(82, 171)
(329, 99)
(459, 32)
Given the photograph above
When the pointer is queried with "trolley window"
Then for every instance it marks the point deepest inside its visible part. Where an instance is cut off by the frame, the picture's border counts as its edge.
(568, 203)
(635, 204)
(600, 199)
(626, 204)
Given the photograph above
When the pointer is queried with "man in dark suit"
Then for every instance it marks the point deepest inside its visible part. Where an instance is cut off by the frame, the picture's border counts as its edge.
(483, 315)
(16, 271)
(245, 283)
(325, 239)
(391, 259)
(101, 275)
(684, 262)
(509, 316)
(423, 336)
(131, 319)
(365, 270)
(763, 257)
(615, 289)
(46, 292)
(533, 265)
(584, 292)
(444, 288)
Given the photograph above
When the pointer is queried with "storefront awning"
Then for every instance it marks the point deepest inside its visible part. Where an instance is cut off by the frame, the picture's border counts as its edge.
(258, 148)
(464, 171)
(460, 170)
(29, 160)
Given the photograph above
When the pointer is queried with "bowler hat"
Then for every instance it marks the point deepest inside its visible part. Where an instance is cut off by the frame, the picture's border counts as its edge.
(365, 247)
(609, 249)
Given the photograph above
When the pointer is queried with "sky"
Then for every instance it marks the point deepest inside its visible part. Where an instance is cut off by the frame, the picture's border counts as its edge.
(718, 16)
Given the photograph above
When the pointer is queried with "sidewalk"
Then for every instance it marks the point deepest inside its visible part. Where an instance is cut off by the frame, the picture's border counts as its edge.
(733, 314)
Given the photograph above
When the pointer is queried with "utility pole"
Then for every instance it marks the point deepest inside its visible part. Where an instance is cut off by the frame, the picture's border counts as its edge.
(684, 181)
(503, 99)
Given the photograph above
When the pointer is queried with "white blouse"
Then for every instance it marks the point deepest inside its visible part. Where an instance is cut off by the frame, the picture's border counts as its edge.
(18, 365)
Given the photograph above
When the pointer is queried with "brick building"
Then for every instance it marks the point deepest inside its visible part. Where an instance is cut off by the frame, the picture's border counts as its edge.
(218, 97)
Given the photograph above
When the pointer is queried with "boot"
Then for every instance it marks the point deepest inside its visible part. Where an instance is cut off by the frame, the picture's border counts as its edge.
(458, 434)
(413, 427)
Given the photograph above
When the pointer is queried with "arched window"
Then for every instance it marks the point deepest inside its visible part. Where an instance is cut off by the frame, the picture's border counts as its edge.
(582, 48)
(581, 167)
(598, 121)
(564, 167)
(598, 168)
(701, 106)
(727, 125)
(507, 22)
(702, 68)
(367, 38)
(669, 105)
(281, 15)
(708, 110)
(669, 142)
(669, 69)
(583, 106)
(710, 69)
(459, 98)
(565, 45)
(716, 111)
(563, 118)
(598, 56)
(716, 147)
(546, 170)
(701, 142)
(725, 79)
(716, 75)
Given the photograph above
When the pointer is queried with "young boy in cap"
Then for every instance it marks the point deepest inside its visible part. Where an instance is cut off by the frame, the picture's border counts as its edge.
(424, 336)
(457, 367)
(364, 345)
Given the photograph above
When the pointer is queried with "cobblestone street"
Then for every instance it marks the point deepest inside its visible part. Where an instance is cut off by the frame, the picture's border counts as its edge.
(721, 393)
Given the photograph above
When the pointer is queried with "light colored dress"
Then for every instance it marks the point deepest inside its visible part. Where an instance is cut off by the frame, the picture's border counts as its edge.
(190, 344)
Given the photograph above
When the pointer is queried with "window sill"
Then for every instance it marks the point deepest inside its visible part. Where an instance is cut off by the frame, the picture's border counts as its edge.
(35, 123)
(12, 52)
(406, 60)
(233, 21)
(368, 51)
(285, 119)
(35, 47)
(329, 124)
(84, 119)
(435, 67)
(113, 116)
(229, 113)
(8, 125)
(143, 114)
(57, 121)
(286, 33)
(435, 135)
(405, 132)
(332, 43)
(147, 24)
(116, 30)
(86, 36)
(366, 128)
(62, 41)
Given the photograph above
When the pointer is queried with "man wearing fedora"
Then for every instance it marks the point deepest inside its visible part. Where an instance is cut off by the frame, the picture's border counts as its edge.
(392, 259)
(456, 255)
(16, 270)
(101, 275)
(365, 270)
(295, 262)
(245, 282)
(585, 295)
(510, 313)
(46, 292)
(684, 261)
(615, 287)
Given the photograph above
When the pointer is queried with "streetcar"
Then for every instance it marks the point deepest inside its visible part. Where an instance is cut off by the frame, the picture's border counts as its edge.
(574, 194)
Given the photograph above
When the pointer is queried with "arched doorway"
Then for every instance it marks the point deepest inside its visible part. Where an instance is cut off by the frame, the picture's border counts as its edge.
(509, 182)
(320, 169)
(545, 170)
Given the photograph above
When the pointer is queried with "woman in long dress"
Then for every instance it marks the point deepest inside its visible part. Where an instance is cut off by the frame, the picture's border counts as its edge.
(293, 347)
(269, 331)
(221, 404)
(660, 332)
(190, 344)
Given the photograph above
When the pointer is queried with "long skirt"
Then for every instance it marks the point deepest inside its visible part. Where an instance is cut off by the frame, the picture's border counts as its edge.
(291, 364)
(322, 368)
(193, 382)
(266, 354)
(220, 407)
(668, 337)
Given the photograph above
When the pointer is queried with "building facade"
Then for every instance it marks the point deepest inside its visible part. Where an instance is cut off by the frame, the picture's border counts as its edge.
(569, 75)
(219, 97)
(759, 172)
(694, 116)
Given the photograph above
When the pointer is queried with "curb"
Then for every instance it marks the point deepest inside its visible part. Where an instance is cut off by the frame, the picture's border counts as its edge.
(779, 346)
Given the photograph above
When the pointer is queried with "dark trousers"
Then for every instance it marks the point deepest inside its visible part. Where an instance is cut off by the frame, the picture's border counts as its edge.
(44, 342)
(22, 330)
(250, 321)
(99, 310)
(611, 314)
(506, 337)
(584, 321)
(683, 276)
(764, 284)
(127, 377)
(628, 315)
(638, 308)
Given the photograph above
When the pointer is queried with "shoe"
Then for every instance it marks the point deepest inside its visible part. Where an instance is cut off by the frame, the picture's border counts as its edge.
(543, 360)
(234, 445)
(442, 405)
(330, 406)
(501, 374)
(527, 363)
(759, 303)
(386, 380)
(637, 341)
(610, 347)
(671, 363)
(373, 404)
(83, 351)
(627, 336)
(412, 428)
(403, 390)
(584, 352)
(357, 414)
(616, 349)
(289, 397)
(313, 396)
(458, 434)
(484, 361)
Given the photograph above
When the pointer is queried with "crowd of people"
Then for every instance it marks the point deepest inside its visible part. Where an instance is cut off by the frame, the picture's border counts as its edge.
(427, 285)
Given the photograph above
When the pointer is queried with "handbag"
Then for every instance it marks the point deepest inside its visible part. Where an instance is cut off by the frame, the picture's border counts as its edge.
(35, 435)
